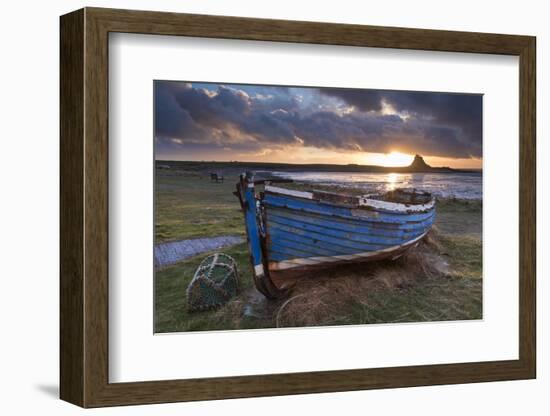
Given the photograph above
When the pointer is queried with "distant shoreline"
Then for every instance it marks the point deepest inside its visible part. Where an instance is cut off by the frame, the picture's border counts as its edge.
(290, 167)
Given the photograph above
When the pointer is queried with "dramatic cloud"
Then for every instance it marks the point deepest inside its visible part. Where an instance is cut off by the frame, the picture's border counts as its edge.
(364, 100)
(450, 122)
(251, 118)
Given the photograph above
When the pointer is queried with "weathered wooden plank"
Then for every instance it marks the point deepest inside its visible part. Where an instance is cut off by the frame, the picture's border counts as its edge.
(281, 251)
(354, 201)
(286, 239)
(340, 239)
(315, 207)
(351, 225)
(337, 238)
(348, 231)
(363, 256)
(330, 244)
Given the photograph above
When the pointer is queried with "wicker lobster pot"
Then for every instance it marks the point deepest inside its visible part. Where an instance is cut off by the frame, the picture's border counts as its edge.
(214, 283)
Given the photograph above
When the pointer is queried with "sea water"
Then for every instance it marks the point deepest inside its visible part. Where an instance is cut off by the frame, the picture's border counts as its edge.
(466, 185)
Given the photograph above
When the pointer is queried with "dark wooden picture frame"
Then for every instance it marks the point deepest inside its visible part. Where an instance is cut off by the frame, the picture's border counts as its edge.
(84, 207)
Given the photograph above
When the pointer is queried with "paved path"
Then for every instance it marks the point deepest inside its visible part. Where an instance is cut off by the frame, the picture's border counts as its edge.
(170, 253)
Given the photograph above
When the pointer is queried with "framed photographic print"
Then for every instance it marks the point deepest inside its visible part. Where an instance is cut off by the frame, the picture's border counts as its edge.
(257, 207)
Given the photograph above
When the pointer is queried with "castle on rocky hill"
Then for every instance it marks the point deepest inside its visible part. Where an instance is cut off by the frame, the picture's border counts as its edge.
(419, 164)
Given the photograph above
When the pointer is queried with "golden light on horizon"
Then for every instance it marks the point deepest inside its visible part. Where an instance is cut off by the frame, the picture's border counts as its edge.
(299, 154)
(392, 159)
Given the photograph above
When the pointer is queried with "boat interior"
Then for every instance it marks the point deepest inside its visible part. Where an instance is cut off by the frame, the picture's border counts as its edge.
(399, 196)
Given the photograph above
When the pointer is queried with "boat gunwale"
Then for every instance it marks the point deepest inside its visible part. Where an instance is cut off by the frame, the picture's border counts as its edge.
(356, 218)
(363, 202)
(339, 222)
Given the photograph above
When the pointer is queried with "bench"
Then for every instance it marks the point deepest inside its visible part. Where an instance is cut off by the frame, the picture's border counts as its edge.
(216, 177)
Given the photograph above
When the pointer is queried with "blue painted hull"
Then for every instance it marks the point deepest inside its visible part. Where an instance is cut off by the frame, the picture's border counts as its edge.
(299, 231)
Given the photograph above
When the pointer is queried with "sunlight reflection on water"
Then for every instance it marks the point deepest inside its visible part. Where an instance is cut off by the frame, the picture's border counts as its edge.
(446, 185)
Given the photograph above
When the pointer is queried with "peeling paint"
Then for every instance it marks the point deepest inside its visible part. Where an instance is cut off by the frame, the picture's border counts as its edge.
(310, 261)
(366, 201)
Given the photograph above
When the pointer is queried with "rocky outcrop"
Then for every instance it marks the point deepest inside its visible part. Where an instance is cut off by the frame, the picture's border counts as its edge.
(419, 164)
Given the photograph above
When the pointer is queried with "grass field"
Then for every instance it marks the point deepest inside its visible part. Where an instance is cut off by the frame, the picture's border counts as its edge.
(190, 205)
(440, 280)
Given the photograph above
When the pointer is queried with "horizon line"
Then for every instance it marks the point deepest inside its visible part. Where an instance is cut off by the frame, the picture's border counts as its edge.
(308, 164)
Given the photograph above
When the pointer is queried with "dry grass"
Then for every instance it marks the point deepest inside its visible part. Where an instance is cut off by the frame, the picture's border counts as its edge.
(325, 298)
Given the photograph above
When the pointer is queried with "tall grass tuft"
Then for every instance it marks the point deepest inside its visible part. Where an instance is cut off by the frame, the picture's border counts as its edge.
(326, 298)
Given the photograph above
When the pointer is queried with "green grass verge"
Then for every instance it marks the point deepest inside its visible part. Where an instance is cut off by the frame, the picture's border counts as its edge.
(190, 206)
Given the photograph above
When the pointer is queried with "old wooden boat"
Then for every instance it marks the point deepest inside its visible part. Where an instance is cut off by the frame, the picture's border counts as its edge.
(292, 232)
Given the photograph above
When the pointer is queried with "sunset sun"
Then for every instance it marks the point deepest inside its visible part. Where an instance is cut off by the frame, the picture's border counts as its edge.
(392, 159)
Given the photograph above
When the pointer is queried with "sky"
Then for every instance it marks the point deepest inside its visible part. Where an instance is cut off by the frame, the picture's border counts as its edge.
(237, 122)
